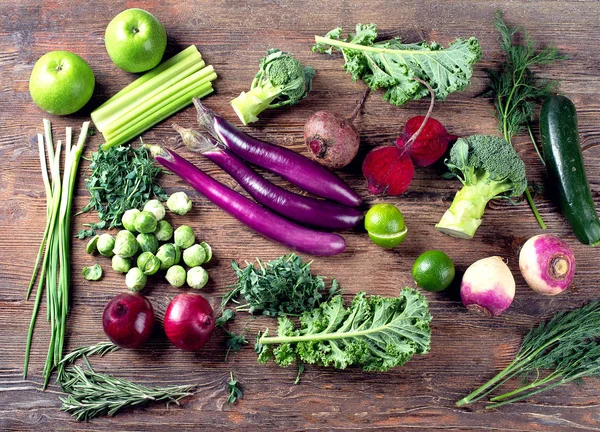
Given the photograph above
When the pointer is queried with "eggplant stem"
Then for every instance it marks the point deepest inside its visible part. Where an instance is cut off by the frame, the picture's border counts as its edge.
(360, 106)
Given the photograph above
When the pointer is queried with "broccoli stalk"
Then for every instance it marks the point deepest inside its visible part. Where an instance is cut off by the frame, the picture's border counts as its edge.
(281, 80)
(488, 168)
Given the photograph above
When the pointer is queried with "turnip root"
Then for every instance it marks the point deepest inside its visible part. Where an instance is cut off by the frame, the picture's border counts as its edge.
(487, 287)
(547, 264)
(331, 139)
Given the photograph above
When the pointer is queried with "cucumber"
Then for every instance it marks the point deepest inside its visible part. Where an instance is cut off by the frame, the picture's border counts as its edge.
(564, 161)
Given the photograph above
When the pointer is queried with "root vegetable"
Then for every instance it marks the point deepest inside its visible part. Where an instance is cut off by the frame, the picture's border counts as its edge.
(547, 264)
(487, 287)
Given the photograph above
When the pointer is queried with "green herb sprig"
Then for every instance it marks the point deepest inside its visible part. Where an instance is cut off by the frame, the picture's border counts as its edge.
(234, 389)
(281, 287)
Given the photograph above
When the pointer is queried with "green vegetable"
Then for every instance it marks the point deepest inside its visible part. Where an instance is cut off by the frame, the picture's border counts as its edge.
(145, 222)
(128, 219)
(164, 231)
(135, 279)
(122, 178)
(167, 254)
(375, 333)
(147, 242)
(488, 167)
(153, 97)
(225, 318)
(55, 245)
(179, 203)
(284, 286)
(234, 389)
(396, 67)
(184, 236)
(566, 345)
(92, 273)
(197, 277)
(281, 80)
(125, 244)
(207, 251)
(515, 88)
(194, 256)
(91, 394)
(92, 245)
(105, 245)
(156, 208)
(148, 263)
(234, 342)
(562, 151)
(120, 264)
(176, 276)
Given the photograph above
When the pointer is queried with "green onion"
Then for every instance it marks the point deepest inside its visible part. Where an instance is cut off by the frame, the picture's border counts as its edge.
(55, 271)
(153, 97)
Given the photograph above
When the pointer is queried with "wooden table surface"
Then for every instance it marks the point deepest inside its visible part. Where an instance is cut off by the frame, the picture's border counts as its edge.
(465, 351)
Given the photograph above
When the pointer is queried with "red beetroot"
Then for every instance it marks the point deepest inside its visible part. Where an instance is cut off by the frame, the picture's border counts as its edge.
(431, 143)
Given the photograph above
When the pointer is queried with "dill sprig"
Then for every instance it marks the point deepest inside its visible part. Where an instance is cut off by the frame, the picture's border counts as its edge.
(566, 345)
(91, 394)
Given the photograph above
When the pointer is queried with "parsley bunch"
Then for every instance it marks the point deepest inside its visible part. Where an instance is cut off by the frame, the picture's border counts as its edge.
(281, 287)
(122, 178)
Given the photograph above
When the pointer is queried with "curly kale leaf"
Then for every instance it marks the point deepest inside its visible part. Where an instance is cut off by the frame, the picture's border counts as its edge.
(375, 333)
(394, 66)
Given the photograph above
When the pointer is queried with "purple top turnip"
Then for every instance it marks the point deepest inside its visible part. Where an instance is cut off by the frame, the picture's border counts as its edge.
(547, 264)
(487, 287)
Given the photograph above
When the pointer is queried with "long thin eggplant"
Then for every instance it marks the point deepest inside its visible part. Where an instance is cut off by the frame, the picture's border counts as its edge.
(292, 166)
(261, 220)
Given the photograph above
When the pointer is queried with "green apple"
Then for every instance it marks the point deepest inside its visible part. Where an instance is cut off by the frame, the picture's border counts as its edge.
(135, 40)
(61, 82)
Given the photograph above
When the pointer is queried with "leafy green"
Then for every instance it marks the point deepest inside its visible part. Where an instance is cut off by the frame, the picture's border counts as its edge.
(92, 273)
(234, 389)
(122, 178)
(394, 66)
(567, 345)
(374, 332)
(284, 286)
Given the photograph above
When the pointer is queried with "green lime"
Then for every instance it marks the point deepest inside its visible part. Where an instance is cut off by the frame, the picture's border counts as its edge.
(385, 225)
(433, 271)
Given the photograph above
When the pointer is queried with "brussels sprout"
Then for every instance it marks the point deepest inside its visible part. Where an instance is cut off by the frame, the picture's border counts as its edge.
(179, 203)
(207, 250)
(125, 244)
(167, 254)
(194, 256)
(148, 263)
(147, 242)
(135, 279)
(156, 208)
(128, 219)
(184, 237)
(145, 222)
(105, 245)
(120, 264)
(176, 276)
(197, 277)
(92, 273)
(164, 231)
(91, 246)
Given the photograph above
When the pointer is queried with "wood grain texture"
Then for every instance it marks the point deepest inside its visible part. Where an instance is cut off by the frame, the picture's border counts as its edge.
(233, 36)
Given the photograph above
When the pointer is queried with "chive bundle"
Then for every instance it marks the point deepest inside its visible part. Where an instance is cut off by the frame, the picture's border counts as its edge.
(153, 97)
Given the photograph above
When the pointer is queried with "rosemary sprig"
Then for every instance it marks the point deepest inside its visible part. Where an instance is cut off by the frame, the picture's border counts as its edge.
(91, 394)
(516, 89)
(566, 345)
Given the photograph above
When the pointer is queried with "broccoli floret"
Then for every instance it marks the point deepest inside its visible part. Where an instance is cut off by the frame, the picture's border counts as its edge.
(281, 80)
(489, 168)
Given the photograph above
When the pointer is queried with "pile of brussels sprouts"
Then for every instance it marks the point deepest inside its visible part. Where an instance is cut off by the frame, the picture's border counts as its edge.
(138, 252)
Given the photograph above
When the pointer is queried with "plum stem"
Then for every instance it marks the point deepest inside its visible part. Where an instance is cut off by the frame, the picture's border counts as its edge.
(413, 138)
(360, 106)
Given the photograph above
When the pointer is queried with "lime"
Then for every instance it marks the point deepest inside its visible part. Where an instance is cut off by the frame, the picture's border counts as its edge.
(385, 225)
(433, 271)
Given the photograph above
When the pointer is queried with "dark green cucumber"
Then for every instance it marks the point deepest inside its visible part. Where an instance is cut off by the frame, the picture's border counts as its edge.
(564, 161)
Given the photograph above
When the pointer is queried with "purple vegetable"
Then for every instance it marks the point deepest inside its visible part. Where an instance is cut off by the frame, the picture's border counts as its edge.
(547, 264)
(302, 209)
(292, 166)
(487, 287)
(254, 216)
